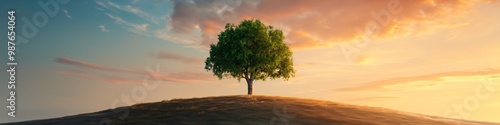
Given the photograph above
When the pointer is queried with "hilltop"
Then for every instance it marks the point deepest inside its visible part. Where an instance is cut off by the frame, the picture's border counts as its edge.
(251, 110)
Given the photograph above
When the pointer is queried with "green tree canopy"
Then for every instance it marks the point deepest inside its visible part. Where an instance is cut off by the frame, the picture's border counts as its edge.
(252, 51)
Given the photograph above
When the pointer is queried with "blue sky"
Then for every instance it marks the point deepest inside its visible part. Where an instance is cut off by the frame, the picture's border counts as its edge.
(75, 33)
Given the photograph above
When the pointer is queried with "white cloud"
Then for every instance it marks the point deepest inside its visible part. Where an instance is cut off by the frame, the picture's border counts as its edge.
(133, 10)
(141, 14)
(99, 9)
(103, 28)
(66, 13)
(164, 33)
(135, 28)
(101, 4)
(141, 27)
(176, 38)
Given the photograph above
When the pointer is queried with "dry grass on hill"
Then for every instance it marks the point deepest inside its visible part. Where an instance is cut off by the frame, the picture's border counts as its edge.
(252, 110)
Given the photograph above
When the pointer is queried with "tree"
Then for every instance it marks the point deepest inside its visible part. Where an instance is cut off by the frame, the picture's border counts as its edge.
(252, 51)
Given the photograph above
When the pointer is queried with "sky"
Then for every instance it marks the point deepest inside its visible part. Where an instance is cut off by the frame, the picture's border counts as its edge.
(433, 57)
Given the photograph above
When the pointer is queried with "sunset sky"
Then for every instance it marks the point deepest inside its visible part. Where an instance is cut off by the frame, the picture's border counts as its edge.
(433, 57)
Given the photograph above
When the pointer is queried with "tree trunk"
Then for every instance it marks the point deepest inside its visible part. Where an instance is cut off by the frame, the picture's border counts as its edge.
(249, 83)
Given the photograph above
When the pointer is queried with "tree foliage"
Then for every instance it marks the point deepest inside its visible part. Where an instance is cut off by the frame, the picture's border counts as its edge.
(252, 51)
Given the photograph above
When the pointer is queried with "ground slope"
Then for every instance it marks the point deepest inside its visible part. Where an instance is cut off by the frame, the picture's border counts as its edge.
(250, 110)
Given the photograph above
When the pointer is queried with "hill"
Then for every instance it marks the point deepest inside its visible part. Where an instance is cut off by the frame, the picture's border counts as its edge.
(250, 110)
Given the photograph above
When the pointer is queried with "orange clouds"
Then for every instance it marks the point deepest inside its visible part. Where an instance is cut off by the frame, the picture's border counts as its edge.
(322, 22)
(69, 61)
(377, 85)
(112, 80)
(120, 76)
(179, 57)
